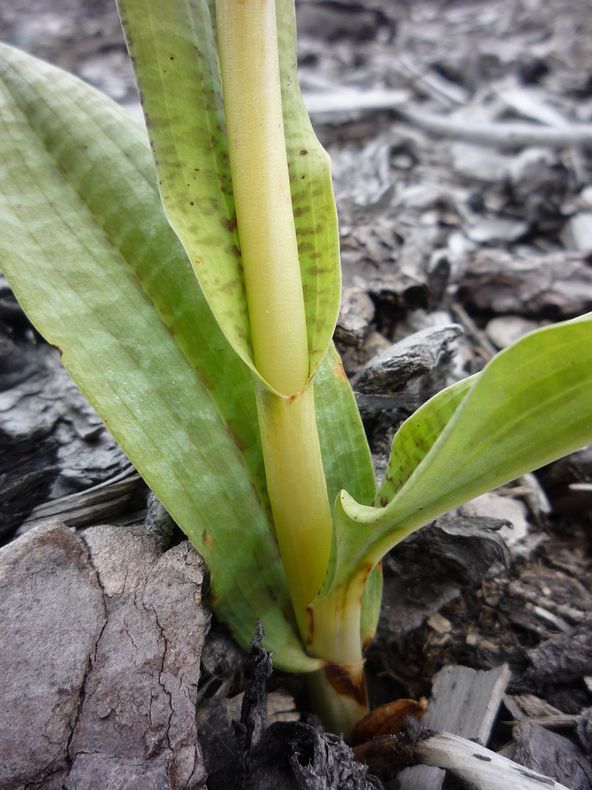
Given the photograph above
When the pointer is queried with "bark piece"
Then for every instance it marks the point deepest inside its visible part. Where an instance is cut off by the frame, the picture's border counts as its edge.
(104, 635)
(538, 185)
(123, 494)
(578, 232)
(453, 553)
(39, 403)
(508, 329)
(562, 658)
(465, 702)
(417, 355)
(567, 482)
(357, 311)
(552, 754)
(584, 730)
(27, 472)
(479, 767)
(534, 710)
(52, 611)
(504, 283)
(296, 756)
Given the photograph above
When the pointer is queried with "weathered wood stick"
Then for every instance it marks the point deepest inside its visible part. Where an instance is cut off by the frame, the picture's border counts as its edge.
(498, 135)
(478, 766)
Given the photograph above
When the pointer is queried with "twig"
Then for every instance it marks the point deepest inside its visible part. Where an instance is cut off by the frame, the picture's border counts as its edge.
(500, 135)
(479, 767)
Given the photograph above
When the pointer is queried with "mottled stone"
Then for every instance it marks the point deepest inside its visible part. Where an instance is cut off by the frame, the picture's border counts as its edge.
(100, 651)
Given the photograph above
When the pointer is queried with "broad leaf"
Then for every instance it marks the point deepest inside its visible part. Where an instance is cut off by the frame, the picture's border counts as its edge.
(94, 263)
(530, 405)
(174, 53)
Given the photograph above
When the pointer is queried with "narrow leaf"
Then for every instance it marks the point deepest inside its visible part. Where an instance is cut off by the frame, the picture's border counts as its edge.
(529, 406)
(174, 53)
(312, 199)
(173, 50)
(346, 456)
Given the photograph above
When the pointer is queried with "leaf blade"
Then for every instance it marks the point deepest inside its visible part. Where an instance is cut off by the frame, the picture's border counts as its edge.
(313, 204)
(90, 255)
(514, 417)
(172, 46)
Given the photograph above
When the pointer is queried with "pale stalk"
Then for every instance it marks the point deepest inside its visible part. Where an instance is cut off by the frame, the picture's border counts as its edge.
(340, 687)
(247, 47)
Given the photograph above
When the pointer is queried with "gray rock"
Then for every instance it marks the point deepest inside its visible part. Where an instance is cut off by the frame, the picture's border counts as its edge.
(552, 754)
(101, 644)
(504, 283)
(417, 355)
(357, 311)
(578, 232)
(563, 658)
(52, 611)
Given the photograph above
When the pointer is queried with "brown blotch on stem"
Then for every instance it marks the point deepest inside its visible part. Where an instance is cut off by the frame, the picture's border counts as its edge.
(345, 683)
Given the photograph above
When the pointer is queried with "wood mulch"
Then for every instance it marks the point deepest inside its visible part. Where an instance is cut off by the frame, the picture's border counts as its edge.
(461, 139)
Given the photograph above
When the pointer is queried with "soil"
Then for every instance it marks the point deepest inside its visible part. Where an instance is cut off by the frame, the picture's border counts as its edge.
(468, 242)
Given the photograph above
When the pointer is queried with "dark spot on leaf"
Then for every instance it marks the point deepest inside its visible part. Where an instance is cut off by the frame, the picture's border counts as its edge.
(303, 152)
(236, 439)
(207, 539)
(383, 501)
(339, 372)
(309, 625)
(229, 224)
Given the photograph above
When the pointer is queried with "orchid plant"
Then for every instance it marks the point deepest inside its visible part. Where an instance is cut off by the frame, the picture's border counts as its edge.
(193, 291)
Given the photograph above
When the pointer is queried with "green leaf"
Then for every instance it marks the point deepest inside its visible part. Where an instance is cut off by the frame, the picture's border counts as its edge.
(87, 249)
(174, 54)
(313, 203)
(173, 50)
(530, 405)
(346, 456)
(347, 461)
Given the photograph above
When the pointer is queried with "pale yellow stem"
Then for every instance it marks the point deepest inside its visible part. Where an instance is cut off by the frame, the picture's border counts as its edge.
(249, 62)
(248, 51)
(298, 494)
